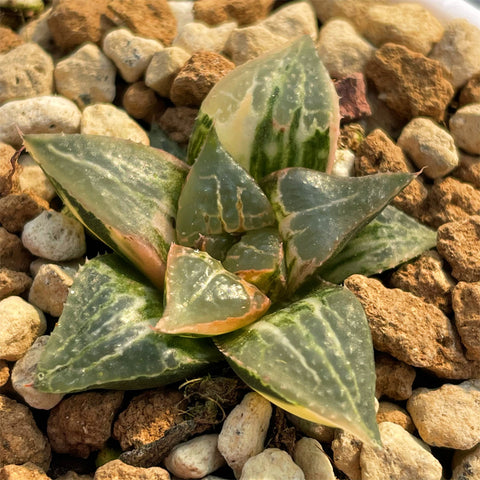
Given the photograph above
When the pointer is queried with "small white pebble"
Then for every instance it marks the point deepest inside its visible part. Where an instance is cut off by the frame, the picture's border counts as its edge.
(465, 128)
(271, 464)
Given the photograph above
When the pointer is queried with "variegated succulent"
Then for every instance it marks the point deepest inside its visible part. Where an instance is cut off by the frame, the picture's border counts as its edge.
(238, 257)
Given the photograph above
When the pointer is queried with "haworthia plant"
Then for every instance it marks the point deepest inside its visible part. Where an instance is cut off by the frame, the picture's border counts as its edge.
(124, 193)
(276, 111)
(202, 298)
(105, 337)
(318, 213)
(311, 354)
(313, 358)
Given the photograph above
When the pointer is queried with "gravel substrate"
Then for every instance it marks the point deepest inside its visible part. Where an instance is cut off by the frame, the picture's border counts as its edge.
(409, 87)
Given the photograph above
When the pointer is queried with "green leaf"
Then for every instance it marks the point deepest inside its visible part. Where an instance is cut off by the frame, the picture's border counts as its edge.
(314, 359)
(105, 336)
(258, 258)
(219, 196)
(278, 110)
(125, 193)
(318, 213)
(389, 239)
(202, 298)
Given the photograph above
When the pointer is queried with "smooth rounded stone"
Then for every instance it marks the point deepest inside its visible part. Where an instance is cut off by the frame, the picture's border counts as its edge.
(141, 102)
(182, 11)
(249, 42)
(459, 244)
(344, 165)
(245, 12)
(271, 464)
(31, 178)
(459, 51)
(403, 457)
(411, 330)
(23, 377)
(49, 289)
(353, 10)
(82, 423)
(196, 458)
(70, 267)
(86, 77)
(106, 119)
(402, 77)
(163, 69)
(429, 146)
(198, 76)
(391, 412)
(466, 465)
(465, 128)
(21, 441)
(54, 236)
(346, 450)
(407, 24)
(342, 50)
(317, 431)
(448, 416)
(20, 325)
(130, 53)
(244, 430)
(292, 20)
(313, 461)
(117, 470)
(196, 36)
(13, 283)
(13, 255)
(27, 471)
(426, 278)
(45, 114)
(466, 306)
(25, 71)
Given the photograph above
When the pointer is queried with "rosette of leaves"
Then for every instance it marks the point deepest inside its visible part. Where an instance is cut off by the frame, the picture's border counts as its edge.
(228, 259)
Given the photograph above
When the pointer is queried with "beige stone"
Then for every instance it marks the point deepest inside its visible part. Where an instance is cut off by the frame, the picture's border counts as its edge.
(426, 278)
(313, 461)
(466, 306)
(106, 119)
(36, 30)
(21, 440)
(346, 454)
(391, 412)
(403, 457)
(459, 50)
(465, 128)
(342, 50)
(354, 10)
(27, 471)
(411, 330)
(448, 416)
(196, 36)
(21, 324)
(117, 470)
(394, 378)
(32, 179)
(25, 71)
(317, 431)
(459, 244)
(163, 69)
(244, 430)
(86, 77)
(467, 466)
(277, 463)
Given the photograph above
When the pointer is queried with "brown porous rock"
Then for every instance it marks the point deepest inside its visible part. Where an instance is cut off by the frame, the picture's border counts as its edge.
(178, 123)
(468, 169)
(16, 209)
(402, 77)
(74, 22)
(412, 330)
(466, 305)
(459, 244)
(146, 18)
(394, 378)
(391, 412)
(21, 440)
(470, 93)
(197, 77)
(82, 423)
(244, 12)
(426, 278)
(378, 153)
(13, 283)
(346, 454)
(147, 417)
(352, 93)
(4, 372)
(117, 470)
(27, 471)
(13, 255)
(9, 39)
(8, 176)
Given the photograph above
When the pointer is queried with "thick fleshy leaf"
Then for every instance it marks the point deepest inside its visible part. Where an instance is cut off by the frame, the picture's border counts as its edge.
(202, 298)
(258, 258)
(105, 336)
(278, 110)
(313, 358)
(123, 192)
(219, 196)
(389, 239)
(216, 246)
(318, 213)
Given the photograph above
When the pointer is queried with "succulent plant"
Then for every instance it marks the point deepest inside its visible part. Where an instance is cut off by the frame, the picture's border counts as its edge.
(238, 257)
